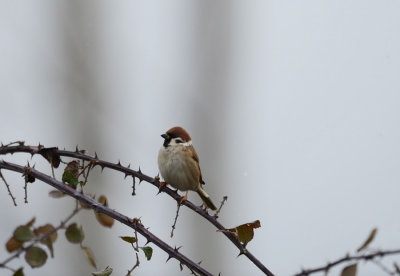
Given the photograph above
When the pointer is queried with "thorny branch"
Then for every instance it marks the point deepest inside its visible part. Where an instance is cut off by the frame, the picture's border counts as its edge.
(8, 189)
(136, 248)
(348, 258)
(142, 177)
(176, 218)
(220, 207)
(98, 207)
(41, 237)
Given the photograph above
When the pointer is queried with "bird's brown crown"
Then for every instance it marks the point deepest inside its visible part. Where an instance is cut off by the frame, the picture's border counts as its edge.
(179, 132)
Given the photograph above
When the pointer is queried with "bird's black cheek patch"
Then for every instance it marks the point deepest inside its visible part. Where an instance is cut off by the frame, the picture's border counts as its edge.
(166, 142)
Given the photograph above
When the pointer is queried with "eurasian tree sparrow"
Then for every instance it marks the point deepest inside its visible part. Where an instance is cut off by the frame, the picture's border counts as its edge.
(179, 164)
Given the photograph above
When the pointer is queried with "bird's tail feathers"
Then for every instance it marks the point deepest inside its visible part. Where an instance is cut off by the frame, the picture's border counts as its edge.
(206, 199)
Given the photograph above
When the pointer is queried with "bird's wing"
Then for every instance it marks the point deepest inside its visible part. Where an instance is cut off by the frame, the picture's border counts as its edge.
(196, 158)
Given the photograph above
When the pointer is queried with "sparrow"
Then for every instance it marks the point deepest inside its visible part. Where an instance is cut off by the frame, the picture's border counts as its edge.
(179, 165)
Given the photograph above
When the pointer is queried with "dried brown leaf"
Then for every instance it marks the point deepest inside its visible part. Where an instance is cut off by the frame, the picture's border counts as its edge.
(51, 155)
(350, 270)
(370, 238)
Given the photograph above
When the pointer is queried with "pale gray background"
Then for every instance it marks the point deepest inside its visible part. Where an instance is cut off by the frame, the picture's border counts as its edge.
(293, 107)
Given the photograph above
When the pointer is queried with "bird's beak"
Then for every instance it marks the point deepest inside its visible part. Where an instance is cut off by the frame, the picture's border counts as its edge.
(165, 136)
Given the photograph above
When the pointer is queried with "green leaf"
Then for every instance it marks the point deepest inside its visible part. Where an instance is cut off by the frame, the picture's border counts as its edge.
(70, 179)
(19, 272)
(106, 272)
(35, 256)
(368, 240)
(128, 239)
(23, 233)
(47, 241)
(74, 234)
(148, 251)
(350, 270)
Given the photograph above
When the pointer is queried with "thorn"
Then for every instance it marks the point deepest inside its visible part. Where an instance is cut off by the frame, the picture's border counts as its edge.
(199, 263)
(169, 258)
(102, 168)
(95, 155)
(76, 148)
(147, 242)
(126, 175)
(140, 180)
(129, 165)
(119, 163)
(242, 251)
(177, 248)
(161, 186)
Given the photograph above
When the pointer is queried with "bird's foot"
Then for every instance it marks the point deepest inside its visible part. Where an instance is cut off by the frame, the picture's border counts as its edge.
(183, 198)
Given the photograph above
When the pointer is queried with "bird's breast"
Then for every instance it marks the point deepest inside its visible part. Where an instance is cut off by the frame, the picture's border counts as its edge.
(177, 169)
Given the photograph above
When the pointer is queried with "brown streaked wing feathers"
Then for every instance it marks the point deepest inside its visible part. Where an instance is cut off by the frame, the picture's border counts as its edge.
(196, 158)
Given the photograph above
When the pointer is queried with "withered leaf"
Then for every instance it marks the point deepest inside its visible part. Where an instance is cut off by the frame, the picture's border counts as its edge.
(106, 272)
(128, 239)
(56, 194)
(43, 230)
(51, 155)
(29, 178)
(368, 240)
(396, 268)
(31, 222)
(104, 219)
(245, 232)
(350, 270)
(13, 245)
(90, 256)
